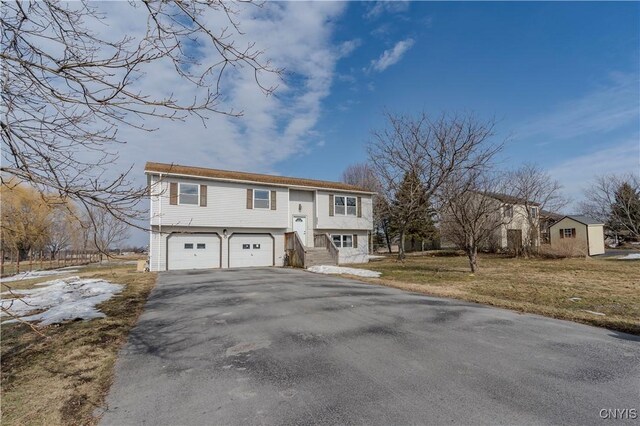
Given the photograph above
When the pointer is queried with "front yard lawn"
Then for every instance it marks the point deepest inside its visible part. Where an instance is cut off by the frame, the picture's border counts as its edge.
(565, 288)
(63, 378)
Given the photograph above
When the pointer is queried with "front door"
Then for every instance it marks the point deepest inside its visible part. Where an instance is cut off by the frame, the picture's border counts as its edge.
(300, 226)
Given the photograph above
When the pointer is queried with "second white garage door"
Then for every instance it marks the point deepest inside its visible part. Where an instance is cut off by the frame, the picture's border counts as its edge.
(193, 251)
(250, 250)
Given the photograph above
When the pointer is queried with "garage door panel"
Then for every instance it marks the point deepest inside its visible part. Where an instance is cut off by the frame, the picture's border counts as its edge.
(193, 251)
(250, 250)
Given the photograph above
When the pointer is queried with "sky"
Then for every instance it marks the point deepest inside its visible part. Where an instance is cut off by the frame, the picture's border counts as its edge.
(562, 81)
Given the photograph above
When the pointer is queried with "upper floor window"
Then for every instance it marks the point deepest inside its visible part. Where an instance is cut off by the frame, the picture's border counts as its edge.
(508, 211)
(345, 205)
(261, 199)
(534, 212)
(189, 193)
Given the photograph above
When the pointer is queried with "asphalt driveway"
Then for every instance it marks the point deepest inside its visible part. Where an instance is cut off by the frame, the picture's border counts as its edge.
(281, 346)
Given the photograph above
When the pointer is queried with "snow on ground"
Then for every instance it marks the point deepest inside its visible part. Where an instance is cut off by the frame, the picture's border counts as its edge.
(29, 275)
(60, 300)
(330, 269)
(375, 257)
(631, 256)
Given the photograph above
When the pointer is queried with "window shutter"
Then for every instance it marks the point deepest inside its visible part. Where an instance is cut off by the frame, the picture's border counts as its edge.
(331, 205)
(355, 240)
(173, 193)
(562, 233)
(203, 195)
(573, 232)
(249, 198)
(273, 200)
(359, 208)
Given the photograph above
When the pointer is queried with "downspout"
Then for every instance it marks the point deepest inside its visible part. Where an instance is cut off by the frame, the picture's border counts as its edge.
(159, 218)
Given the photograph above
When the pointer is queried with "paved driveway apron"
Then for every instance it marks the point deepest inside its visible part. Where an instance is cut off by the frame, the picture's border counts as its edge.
(281, 346)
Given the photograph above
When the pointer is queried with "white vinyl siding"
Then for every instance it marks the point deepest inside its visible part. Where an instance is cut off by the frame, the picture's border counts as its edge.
(226, 207)
(343, 221)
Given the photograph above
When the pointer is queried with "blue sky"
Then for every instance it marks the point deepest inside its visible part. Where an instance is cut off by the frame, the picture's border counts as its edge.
(561, 79)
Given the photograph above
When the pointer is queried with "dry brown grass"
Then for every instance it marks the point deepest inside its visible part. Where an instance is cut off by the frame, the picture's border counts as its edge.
(62, 379)
(541, 286)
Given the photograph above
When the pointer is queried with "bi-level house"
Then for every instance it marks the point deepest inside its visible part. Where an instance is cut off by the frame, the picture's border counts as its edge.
(207, 218)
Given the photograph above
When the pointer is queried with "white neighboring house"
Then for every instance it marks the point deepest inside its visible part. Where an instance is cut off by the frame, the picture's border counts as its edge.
(207, 218)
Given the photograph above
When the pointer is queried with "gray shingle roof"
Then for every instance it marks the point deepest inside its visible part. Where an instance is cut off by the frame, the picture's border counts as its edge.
(585, 220)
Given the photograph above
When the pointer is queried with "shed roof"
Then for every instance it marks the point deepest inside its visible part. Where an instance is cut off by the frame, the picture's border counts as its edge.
(177, 169)
(585, 220)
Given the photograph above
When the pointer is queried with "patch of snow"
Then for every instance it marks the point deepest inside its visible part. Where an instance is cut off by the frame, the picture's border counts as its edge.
(630, 256)
(60, 300)
(594, 313)
(331, 269)
(375, 256)
(29, 275)
(575, 299)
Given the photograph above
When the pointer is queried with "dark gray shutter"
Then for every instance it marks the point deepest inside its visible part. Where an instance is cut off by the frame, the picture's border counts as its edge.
(573, 232)
(203, 195)
(562, 233)
(173, 193)
(355, 240)
(359, 207)
(249, 198)
(331, 205)
(273, 200)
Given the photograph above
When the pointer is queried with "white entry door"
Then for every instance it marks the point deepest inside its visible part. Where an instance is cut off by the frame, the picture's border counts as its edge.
(300, 226)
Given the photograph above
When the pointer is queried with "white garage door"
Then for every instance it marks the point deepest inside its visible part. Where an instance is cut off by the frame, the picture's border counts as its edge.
(250, 250)
(193, 251)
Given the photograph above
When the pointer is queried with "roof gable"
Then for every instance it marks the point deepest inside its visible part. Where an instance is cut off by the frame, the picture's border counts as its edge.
(228, 175)
(585, 220)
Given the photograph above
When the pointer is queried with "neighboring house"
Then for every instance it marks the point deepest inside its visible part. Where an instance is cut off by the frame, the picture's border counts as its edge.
(207, 218)
(582, 232)
(513, 225)
(516, 226)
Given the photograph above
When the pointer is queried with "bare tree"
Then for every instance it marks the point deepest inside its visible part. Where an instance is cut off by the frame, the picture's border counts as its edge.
(537, 191)
(66, 89)
(63, 227)
(470, 215)
(106, 231)
(430, 149)
(615, 200)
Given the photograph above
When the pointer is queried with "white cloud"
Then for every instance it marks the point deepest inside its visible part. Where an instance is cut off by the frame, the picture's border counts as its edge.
(391, 56)
(576, 173)
(607, 108)
(381, 7)
(293, 36)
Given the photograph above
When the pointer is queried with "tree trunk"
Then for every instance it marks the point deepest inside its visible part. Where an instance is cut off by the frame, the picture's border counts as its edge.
(472, 254)
(17, 262)
(1, 262)
(401, 254)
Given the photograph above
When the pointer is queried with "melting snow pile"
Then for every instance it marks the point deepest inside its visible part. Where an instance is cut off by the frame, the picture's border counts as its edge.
(60, 300)
(631, 256)
(330, 269)
(36, 274)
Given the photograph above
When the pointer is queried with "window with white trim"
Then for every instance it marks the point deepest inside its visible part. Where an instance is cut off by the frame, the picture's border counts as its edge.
(345, 205)
(568, 232)
(189, 193)
(345, 241)
(188, 246)
(261, 199)
(201, 246)
(534, 212)
(508, 210)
